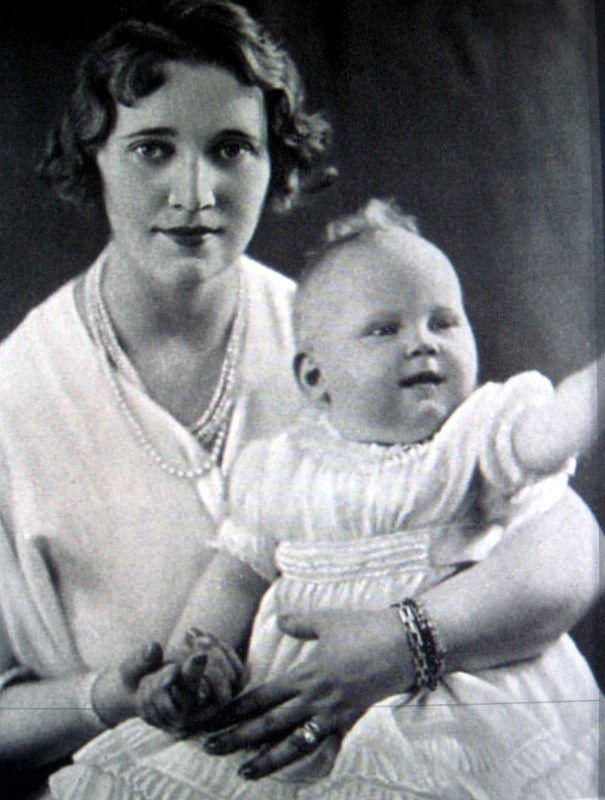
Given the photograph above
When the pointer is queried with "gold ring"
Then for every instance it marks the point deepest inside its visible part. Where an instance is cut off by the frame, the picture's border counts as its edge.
(307, 737)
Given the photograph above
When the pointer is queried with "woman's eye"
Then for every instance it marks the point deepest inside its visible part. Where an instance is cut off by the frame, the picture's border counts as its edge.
(388, 329)
(154, 152)
(231, 151)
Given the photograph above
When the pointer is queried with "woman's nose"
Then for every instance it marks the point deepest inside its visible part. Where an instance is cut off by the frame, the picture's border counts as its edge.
(193, 185)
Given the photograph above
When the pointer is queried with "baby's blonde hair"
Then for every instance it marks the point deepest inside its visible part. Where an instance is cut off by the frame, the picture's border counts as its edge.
(376, 215)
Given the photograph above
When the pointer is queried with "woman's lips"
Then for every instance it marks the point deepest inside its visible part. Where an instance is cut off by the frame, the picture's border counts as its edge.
(190, 236)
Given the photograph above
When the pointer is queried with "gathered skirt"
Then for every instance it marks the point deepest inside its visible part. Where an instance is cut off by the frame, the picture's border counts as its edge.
(523, 731)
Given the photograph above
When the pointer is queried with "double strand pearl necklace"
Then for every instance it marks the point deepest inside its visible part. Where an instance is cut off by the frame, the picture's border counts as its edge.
(211, 428)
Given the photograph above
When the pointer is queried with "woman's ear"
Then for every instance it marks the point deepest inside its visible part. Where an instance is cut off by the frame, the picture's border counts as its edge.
(309, 378)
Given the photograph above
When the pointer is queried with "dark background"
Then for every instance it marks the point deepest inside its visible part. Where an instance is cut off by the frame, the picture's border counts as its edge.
(480, 117)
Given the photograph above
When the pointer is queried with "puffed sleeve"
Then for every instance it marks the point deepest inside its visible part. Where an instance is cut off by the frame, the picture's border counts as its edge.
(526, 494)
(256, 489)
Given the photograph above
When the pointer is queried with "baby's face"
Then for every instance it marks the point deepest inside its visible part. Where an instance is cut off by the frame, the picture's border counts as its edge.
(391, 338)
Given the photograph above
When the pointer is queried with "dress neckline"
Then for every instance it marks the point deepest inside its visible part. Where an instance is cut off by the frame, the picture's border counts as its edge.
(210, 429)
(317, 437)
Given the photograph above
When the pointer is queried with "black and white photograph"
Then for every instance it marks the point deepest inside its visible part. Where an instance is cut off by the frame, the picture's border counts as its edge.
(302, 407)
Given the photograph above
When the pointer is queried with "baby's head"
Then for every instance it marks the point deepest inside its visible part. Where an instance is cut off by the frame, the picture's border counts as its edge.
(384, 344)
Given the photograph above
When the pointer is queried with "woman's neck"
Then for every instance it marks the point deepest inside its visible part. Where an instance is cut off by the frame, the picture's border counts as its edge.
(143, 313)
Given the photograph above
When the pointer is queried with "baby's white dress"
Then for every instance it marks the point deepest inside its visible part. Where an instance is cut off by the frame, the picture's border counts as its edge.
(337, 524)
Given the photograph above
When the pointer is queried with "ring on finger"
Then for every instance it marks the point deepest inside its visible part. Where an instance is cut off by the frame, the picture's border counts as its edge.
(307, 736)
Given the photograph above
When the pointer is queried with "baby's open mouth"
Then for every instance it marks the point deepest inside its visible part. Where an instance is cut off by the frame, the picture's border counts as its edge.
(421, 379)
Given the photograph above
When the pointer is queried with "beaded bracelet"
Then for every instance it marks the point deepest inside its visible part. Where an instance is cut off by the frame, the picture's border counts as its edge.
(427, 651)
(87, 705)
(436, 650)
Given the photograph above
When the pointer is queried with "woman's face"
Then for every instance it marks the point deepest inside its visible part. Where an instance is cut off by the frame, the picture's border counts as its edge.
(185, 174)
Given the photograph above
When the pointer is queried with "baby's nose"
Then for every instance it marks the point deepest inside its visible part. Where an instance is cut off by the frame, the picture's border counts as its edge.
(420, 346)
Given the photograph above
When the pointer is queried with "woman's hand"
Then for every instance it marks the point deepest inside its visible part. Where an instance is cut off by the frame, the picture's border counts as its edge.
(43, 722)
(361, 658)
(115, 691)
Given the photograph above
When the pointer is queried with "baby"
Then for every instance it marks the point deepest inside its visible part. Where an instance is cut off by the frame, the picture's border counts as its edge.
(400, 472)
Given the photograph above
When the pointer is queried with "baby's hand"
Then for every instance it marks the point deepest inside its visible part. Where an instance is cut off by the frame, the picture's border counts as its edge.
(182, 693)
(224, 671)
(170, 697)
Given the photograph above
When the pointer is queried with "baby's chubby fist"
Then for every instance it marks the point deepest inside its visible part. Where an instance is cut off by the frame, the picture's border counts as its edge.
(191, 685)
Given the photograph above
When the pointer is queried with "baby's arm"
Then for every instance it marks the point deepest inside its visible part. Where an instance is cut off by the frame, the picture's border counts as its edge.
(203, 668)
(547, 435)
(225, 599)
(223, 603)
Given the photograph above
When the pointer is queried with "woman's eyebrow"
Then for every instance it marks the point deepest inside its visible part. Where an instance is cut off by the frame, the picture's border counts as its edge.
(151, 132)
(238, 133)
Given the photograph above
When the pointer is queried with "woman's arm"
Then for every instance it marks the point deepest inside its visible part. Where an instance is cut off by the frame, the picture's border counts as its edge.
(534, 586)
(40, 721)
(43, 721)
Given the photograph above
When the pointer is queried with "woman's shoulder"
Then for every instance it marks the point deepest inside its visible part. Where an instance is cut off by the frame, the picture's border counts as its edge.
(265, 280)
(47, 329)
(266, 366)
(269, 297)
(52, 308)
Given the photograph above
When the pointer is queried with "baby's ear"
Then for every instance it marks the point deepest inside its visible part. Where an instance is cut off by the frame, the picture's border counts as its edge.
(309, 377)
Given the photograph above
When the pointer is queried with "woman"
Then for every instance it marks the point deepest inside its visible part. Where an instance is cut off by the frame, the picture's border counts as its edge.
(130, 391)
(133, 375)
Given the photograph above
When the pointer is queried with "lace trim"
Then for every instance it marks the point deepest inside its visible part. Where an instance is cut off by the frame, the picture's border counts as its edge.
(318, 440)
(379, 555)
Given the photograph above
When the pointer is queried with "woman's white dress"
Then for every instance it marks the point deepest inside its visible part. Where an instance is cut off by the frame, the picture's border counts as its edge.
(337, 524)
(99, 546)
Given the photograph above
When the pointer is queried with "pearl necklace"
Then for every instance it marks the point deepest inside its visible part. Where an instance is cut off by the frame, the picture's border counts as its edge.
(211, 428)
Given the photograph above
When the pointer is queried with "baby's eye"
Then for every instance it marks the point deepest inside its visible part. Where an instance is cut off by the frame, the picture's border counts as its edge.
(443, 321)
(387, 329)
(154, 152)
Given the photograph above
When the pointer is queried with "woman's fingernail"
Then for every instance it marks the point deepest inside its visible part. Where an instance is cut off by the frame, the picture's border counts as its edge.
(216, 746)
(248, 771)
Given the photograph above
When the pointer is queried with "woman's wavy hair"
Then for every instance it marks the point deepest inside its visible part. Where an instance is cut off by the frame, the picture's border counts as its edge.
(127, 64)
